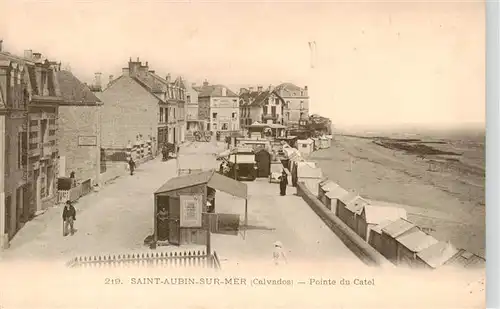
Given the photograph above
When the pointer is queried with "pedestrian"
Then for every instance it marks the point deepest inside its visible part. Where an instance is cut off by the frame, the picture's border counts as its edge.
(69, 217)
(279, 256)
(164, 151)
(283, 183)
(131, 165)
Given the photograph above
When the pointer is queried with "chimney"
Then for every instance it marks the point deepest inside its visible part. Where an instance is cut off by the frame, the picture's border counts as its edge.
(1, 43)
(259, 88)
(243, 90)
(97, 81)
(305, 88)
(110, 79)
(152, 71)
(250, 89)
(28, 54)
(224, 91)
(168, 77)
(37, 56)
(125, 71)
(205, 83)
(270, 87)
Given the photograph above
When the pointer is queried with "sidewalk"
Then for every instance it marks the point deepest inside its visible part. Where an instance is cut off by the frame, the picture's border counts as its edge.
(271, 217)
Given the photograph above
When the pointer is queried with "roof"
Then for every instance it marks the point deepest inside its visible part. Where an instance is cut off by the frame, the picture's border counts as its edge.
(377, 214)
(74, 91)
(328, 185)
(288, 86)
(215, 91)
(417, 241)
(438, 254)
(337, 192)
(213, 180)
(357, 204)
(349, 197)
(398, 228)
(378, 228)
(308, 170)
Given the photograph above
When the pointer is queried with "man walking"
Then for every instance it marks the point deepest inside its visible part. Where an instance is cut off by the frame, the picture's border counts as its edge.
(283, 183)
(69, 216)
(131, 166)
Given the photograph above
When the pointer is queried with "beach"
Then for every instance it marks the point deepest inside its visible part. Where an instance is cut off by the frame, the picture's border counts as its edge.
(439, 181)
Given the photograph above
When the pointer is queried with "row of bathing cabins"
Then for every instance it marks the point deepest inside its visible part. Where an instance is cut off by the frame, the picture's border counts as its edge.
(385, 228)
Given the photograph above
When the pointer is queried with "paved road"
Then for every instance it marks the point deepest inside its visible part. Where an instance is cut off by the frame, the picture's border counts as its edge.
(271, 217)
(118, 218)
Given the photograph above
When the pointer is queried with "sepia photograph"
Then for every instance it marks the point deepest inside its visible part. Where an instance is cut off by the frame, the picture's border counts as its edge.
(194, 154)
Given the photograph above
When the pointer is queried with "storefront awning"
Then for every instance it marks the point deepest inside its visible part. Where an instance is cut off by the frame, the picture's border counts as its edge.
(211, 179)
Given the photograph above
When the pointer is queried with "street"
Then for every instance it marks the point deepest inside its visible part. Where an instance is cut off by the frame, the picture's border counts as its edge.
(117, 219)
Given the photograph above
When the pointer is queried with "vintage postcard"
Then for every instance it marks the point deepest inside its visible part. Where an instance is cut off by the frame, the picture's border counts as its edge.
(193, 154)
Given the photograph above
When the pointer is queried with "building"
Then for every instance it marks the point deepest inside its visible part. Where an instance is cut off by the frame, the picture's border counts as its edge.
(265, 106)
(192, 121)
(296, 104)
(79, 130)
(140, 105)
(219, 107)
(29, 99)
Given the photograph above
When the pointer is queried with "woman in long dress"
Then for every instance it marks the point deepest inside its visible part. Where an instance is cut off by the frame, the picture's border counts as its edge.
(162, 224)
(283, 183)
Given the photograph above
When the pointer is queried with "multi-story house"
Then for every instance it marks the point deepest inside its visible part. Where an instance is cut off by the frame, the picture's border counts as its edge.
(296, 104)
(141, 104)
(79, 129)
(192, 121)
(264, 106)
(219, 107)
(29, 98)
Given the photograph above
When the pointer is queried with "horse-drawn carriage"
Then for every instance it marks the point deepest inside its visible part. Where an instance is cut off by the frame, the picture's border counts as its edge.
(202, 136)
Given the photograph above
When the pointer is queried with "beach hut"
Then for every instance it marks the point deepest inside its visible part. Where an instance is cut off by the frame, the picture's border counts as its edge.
(324, 186)
(316, 143)
(310, 175)
(374, 215)
(389, 245)
(410, 244)
(333, 197)
(296, 162)
(349, 207)
(466, 259)
(436, 255)
(263, 160)
(305, 146)
(375, 236)
(324, 142)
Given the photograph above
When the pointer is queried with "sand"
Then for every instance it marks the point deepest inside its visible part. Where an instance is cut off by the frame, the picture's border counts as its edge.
(446, 203)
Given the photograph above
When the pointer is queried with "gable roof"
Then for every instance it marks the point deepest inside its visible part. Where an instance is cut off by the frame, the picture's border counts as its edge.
(378, 214)
(398, 227)
(74, 91)
(417, 241)
(357, 204)
(215, 91)
(337, 192)
(438, 254)
(213, 180)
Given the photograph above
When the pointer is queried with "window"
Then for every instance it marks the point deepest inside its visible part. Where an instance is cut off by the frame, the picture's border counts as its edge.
(214, 115)
(273, 110)
(22, 149)
(304, 146)
(225, 126)
(233, 115)
(301, 104)
(214, 126)
(264, 110)
(188, 99)
(288, 115)
(277, 101)
(161, 114)
(7, 154)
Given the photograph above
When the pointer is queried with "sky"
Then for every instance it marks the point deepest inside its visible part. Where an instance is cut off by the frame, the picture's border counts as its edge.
(376, 63)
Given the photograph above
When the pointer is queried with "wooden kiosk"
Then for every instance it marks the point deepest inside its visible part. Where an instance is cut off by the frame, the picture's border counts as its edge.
(184, 204)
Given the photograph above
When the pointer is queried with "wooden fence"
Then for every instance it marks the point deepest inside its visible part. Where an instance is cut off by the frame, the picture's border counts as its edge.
(196, 259)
